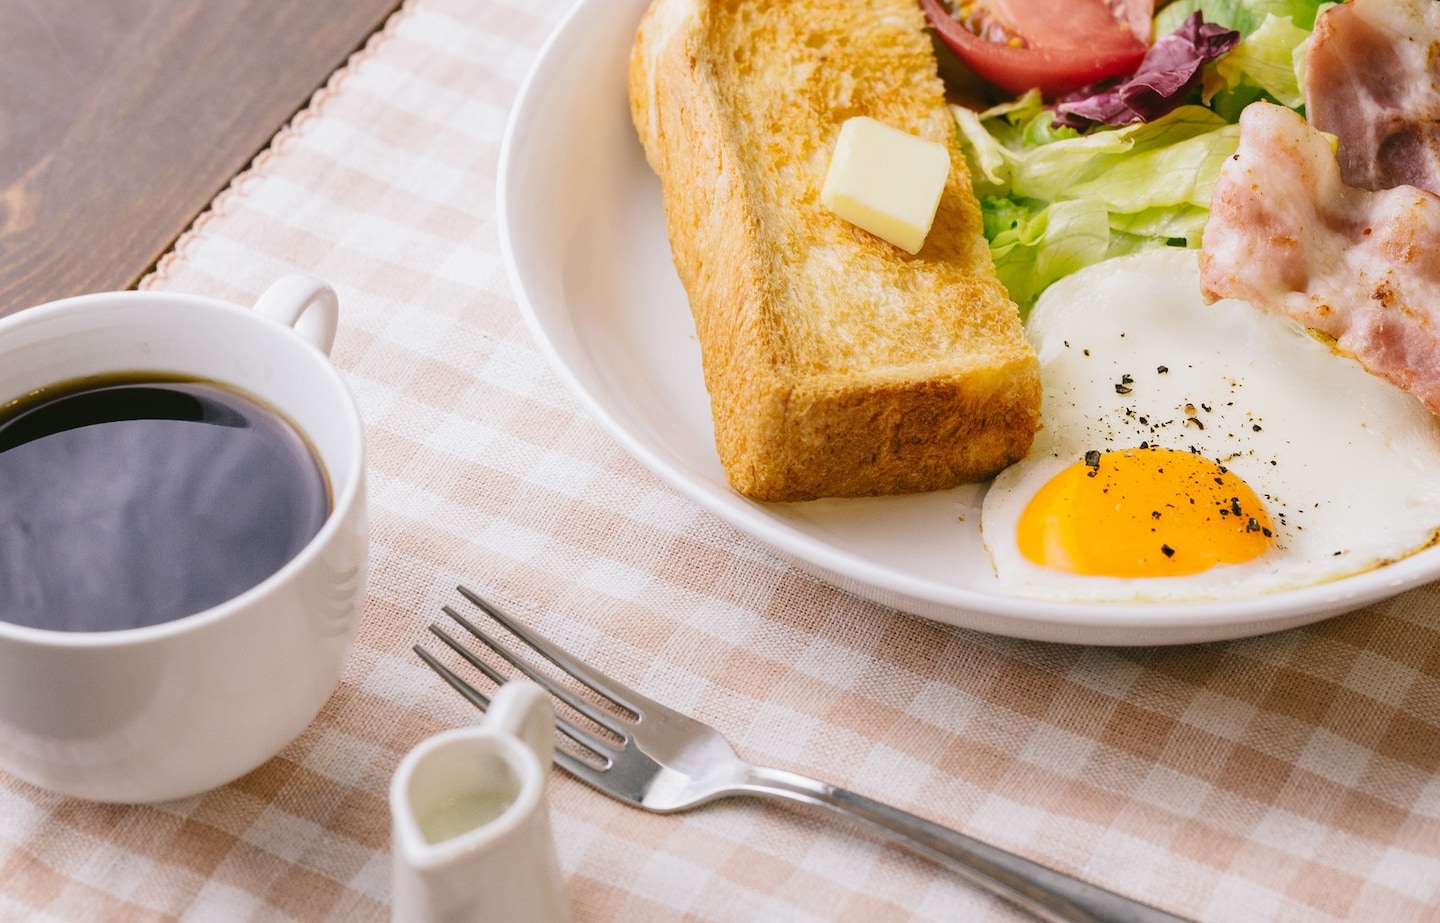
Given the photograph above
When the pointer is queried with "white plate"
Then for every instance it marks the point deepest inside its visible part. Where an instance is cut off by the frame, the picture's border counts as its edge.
(583, 232)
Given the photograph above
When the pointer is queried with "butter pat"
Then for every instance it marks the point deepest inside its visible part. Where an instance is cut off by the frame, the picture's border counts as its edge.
(886, 181)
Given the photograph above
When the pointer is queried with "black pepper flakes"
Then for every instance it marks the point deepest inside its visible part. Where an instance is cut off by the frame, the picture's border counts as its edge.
(1167, 551)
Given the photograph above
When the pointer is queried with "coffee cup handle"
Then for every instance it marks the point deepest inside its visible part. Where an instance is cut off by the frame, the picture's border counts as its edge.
(307, 304)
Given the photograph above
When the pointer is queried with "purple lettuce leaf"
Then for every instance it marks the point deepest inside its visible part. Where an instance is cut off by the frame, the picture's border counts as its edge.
(1165, 77)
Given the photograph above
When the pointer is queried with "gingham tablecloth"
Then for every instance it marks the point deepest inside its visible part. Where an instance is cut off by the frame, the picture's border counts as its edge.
(1287, 777)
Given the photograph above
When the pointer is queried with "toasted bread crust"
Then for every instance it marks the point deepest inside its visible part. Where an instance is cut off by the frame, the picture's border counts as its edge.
(837, 365)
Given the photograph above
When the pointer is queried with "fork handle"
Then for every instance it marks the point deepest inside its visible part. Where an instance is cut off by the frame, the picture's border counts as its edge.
(1053, 896)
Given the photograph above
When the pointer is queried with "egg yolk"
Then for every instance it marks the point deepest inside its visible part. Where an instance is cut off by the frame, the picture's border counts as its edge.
(1143, 513)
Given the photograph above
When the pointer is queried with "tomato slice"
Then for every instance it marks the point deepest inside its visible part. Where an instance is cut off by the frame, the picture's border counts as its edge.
(1055, 45)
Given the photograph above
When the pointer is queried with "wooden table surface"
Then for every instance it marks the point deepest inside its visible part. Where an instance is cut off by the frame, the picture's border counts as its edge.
(120, 120)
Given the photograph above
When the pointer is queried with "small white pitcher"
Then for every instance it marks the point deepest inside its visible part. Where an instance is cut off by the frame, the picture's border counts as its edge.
(470, 833)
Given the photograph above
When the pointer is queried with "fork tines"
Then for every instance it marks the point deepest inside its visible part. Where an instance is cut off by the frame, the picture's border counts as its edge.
(598, 751)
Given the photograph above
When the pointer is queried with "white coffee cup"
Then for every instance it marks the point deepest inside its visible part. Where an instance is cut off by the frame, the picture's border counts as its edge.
(177, 708)
(470, 833)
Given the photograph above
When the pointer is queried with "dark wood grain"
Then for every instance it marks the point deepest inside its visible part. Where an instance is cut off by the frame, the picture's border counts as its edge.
(120, 120)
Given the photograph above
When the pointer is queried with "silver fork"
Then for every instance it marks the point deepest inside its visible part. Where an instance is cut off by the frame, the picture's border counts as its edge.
(663, 761)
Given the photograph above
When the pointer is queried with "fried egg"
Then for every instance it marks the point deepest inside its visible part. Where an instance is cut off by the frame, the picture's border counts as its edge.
(1202, 452)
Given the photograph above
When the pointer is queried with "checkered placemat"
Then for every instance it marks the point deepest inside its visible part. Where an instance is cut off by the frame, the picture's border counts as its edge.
(1287, 777)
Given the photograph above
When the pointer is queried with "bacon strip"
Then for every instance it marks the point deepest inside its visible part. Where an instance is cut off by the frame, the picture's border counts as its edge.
(1372, 78)
(1287, 235)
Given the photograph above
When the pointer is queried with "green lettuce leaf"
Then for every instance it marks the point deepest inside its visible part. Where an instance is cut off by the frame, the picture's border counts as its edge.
(1269, 58)
(1103, 163)
(1070, 200)
(1244, 16)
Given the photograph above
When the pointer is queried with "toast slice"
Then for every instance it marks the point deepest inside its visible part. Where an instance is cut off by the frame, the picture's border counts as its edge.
(837, 365)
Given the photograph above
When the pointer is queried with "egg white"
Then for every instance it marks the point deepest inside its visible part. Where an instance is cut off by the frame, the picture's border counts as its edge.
(1347, 465)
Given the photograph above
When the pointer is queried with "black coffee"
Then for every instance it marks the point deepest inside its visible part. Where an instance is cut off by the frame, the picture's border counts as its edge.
(132, 500)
